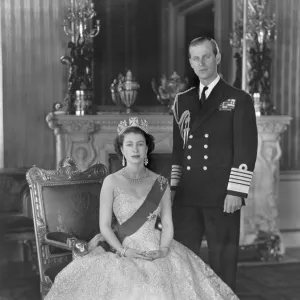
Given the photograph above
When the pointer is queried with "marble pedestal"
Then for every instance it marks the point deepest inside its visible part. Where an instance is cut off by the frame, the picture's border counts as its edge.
(260, 213)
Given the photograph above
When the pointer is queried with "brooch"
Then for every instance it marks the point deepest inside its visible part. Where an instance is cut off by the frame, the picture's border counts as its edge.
(151, 216)
(162, 181)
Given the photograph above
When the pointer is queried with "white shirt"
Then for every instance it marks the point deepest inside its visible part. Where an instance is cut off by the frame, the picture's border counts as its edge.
(210, 87)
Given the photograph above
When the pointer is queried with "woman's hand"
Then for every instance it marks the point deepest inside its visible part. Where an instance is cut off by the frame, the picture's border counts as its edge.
(132, 253)
(156, 254)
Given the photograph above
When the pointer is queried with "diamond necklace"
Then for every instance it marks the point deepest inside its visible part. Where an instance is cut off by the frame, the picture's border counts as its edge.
(136, 180)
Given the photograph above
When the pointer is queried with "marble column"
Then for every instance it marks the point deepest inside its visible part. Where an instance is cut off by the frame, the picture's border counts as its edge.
(261, 213)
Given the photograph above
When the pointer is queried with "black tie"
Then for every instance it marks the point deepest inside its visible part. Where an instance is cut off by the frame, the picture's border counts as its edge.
(203, 96)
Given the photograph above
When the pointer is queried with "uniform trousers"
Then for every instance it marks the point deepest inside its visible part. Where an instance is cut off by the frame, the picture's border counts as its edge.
(222, 232)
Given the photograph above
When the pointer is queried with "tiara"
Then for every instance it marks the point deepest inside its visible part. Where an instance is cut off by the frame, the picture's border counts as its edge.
(132, 122)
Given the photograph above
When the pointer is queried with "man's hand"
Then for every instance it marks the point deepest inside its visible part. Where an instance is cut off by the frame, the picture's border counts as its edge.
(232, 203)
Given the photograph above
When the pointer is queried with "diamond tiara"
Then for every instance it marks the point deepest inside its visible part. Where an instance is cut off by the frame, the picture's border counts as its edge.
(132, 122)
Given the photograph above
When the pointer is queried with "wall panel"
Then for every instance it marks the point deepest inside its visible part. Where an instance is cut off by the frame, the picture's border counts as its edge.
(286, 75)
(33, 78)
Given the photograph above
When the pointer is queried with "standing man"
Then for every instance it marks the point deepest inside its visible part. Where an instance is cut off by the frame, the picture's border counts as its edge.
(214, 153)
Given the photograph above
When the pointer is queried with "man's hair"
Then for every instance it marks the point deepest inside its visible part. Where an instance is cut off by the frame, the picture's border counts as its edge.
(202, 39)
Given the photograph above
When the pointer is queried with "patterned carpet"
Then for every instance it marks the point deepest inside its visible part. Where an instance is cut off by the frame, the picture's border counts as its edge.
(255, 281)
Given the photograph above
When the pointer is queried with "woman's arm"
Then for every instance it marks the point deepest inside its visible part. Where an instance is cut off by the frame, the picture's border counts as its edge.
(167, 232)
(106, 209)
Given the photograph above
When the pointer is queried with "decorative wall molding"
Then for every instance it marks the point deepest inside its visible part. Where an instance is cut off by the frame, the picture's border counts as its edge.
(275, 124)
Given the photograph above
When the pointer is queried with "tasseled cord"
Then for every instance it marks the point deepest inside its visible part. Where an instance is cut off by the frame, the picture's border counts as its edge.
(183, 122)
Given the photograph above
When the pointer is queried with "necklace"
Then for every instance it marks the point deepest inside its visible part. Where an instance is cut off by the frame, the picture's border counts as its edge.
(136, 180)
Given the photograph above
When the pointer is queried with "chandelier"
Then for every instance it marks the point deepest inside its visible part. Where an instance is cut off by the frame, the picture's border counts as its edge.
(78, 22)
(260, 28)
(254, 44)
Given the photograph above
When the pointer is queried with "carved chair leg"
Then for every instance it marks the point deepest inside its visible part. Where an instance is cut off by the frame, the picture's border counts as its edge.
(32, 256)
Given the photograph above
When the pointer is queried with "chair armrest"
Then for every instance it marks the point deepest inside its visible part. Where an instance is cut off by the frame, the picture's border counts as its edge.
(58, 239)
(67, 241)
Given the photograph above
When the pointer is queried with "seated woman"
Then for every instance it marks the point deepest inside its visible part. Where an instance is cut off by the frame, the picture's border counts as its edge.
(148, 263)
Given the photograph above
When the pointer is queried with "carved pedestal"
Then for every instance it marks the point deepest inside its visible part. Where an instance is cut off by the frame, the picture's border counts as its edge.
(260, 213)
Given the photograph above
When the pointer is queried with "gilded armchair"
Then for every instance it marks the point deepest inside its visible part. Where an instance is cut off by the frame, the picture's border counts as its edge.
(65, 205)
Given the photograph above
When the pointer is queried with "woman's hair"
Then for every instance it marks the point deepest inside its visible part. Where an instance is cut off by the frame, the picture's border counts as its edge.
(120, 139)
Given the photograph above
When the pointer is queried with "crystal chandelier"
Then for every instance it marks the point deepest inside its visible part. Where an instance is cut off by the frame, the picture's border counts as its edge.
(78, 22)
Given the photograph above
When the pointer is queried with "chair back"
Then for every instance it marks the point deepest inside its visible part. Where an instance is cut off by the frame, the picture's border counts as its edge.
(65, 200)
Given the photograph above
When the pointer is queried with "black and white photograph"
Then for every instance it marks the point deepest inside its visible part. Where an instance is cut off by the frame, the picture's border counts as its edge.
(149, 150)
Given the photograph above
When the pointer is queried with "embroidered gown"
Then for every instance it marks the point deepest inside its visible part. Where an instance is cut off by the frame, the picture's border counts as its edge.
(101, 275)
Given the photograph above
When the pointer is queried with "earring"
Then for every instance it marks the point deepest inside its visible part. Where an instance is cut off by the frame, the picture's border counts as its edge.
(123, 161)
(146, 161)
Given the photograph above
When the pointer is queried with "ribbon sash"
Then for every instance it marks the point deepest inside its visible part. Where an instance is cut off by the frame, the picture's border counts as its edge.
(150, 204)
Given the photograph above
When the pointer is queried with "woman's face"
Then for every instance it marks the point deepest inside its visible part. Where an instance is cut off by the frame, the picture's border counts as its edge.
(134, 148)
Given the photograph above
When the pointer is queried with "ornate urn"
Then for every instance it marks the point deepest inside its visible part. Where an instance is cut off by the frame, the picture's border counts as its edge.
(168, 89)
(125, 90)
(115, 96)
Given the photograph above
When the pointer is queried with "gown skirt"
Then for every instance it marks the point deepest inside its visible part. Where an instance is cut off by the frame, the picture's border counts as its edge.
(102, 275)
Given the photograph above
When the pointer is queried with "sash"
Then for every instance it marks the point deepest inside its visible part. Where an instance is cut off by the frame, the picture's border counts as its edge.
(142, 215)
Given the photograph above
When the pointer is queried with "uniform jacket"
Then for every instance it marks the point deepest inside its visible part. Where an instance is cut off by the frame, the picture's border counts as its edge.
(214, 147)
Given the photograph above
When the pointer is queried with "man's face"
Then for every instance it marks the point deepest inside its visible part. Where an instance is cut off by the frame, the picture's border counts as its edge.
(204, 62)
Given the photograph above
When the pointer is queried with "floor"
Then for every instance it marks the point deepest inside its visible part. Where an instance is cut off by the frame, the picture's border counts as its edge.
(255, 281)
(271, 280)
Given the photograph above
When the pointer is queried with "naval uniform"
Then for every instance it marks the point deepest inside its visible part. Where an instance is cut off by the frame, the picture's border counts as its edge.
(214, 153)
